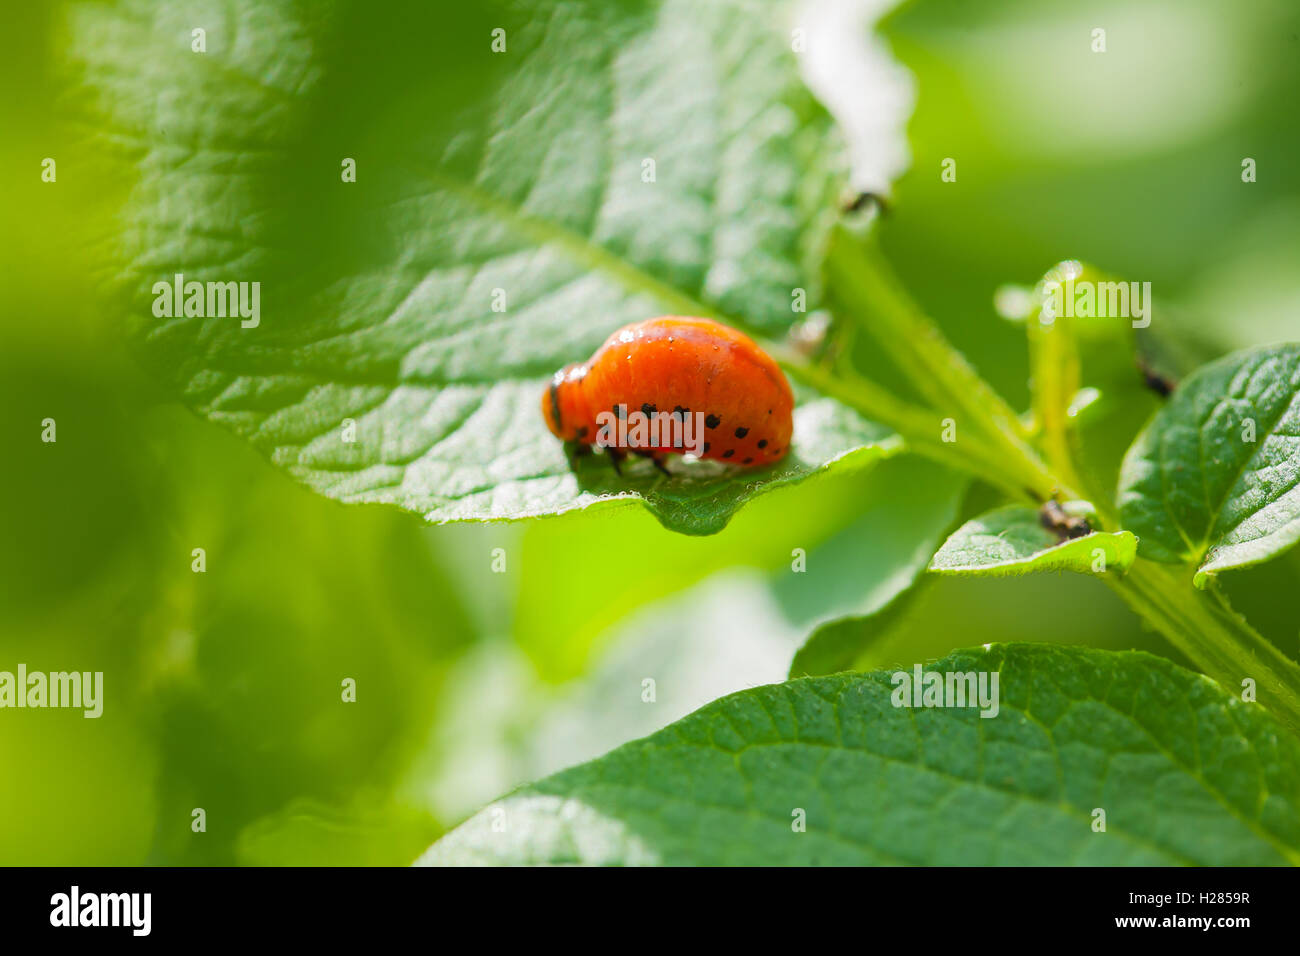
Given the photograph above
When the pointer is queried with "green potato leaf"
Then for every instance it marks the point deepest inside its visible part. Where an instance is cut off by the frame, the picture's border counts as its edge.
(1213, 481)
(1012, 540)
(1185, 774)
(528, 178)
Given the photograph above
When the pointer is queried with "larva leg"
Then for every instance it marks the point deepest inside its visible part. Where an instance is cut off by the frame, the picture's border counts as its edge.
(575, 450)
(616, 458)
(658, 458)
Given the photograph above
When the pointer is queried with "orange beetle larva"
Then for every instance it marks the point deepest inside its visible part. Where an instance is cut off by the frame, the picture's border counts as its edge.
(681, 367)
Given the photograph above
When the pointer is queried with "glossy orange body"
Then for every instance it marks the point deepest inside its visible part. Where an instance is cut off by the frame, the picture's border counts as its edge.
(677, 364)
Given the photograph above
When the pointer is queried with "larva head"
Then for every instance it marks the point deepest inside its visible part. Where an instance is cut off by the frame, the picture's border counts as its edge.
(563, 405)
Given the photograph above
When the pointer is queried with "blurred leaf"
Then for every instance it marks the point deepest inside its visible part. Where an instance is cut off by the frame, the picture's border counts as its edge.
(1076, 730)
(906, 506)
(85, 791)
(518, 177)
(942, 613)
(1004, 87)
(300, 593)
(1251, 277)
(833, 649)
(701, 617)
(499, 727)
(1214, 479)
(310, 834)
(860, 535)
(222, 688)
(1012, 540)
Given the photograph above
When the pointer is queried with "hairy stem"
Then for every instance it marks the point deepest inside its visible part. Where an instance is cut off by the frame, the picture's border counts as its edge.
(1054, 370)
(869, 293)
(1212, 635)
(1200, 625)
(920, 428)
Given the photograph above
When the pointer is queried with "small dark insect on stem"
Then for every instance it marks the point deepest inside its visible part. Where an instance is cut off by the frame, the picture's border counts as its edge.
(1065, 526)
(1160, 384)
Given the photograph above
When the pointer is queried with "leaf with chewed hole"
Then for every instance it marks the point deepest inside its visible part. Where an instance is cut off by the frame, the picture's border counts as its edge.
(510, 209)
(1213, 481)
(1014, 540)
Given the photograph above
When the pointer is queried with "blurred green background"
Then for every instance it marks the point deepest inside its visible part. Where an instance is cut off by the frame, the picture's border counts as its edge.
(224, 688)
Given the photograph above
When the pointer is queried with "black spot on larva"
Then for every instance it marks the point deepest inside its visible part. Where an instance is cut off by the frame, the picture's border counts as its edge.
(706, 448)
(769, 411)
(749, 461)
(648, 409)
(762, 443)
(620, 411)
(728, 453)
(681, 412)
(582, 431)
(713, 421)
(742, 432)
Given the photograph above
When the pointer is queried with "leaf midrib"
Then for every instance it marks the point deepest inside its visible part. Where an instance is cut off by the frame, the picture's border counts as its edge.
(581, 249)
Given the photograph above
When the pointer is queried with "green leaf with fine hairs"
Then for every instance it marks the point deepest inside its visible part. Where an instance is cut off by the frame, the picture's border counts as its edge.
(1013, 540)
(1213, 481)
(529, 177)
(828, 770)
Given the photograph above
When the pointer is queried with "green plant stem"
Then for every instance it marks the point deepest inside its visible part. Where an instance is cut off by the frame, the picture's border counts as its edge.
(1054, 368)
(1200, 625)
(920, 428)
(864, 286)
(1196, 623)
(1212, 635)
